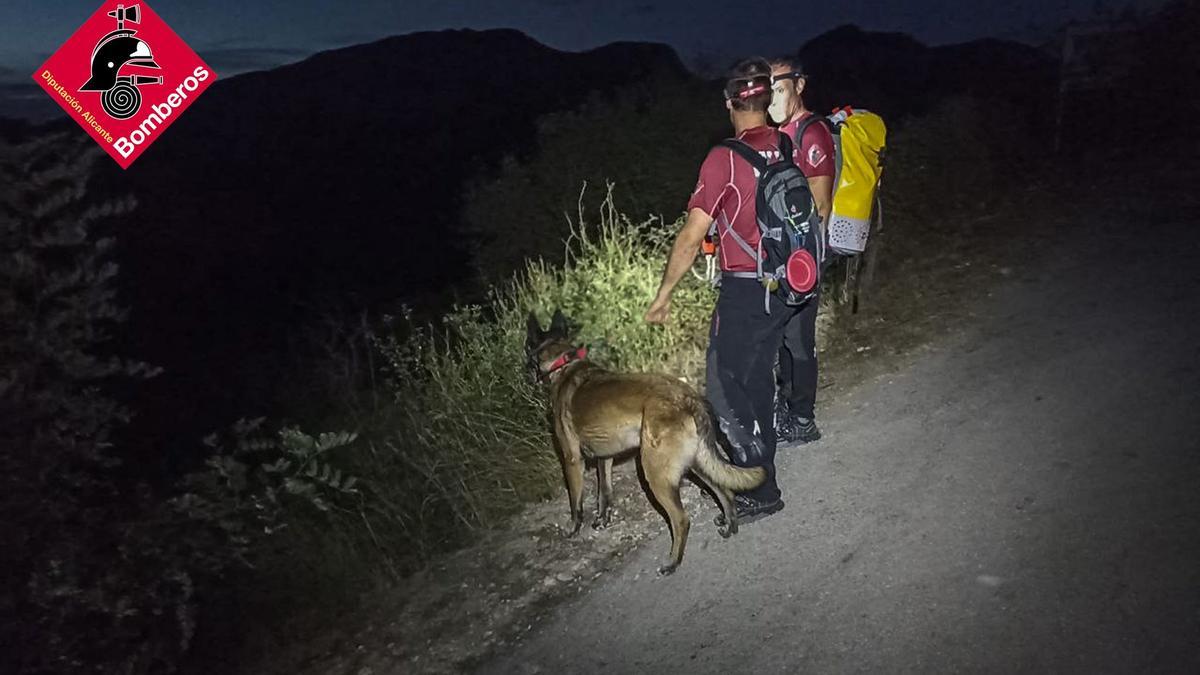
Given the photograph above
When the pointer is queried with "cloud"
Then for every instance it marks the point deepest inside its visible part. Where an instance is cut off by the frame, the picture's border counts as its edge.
(342, 39)
(20, 91)
(27, 101)
(19, 68)
(230, 41)
(233, 60)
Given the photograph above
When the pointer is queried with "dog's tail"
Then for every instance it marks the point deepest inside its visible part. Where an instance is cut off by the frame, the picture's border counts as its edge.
(710, 463)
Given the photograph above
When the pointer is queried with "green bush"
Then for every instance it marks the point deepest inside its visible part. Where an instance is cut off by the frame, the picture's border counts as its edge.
(606, 287)
(466, 441)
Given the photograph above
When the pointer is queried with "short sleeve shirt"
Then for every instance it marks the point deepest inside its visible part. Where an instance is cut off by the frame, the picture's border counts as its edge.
(726, 192)
(815, 152)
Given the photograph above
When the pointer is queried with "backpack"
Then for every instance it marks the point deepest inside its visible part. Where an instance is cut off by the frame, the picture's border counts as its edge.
(791, 250)
(859, 139)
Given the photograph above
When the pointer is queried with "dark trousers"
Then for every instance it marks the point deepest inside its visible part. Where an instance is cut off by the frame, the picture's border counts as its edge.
(742, 347)
(798, 361)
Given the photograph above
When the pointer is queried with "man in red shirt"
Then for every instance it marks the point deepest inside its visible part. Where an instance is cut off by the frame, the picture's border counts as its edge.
(744, 340)
(795, 421)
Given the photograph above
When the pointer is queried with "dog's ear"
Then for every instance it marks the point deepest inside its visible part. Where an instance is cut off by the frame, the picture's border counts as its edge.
(558, 325)
(533, 330)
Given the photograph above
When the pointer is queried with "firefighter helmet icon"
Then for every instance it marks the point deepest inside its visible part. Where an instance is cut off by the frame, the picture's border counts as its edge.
(116, 50)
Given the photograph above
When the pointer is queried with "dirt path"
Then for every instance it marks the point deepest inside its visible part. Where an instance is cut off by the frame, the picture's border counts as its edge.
(1020, 495)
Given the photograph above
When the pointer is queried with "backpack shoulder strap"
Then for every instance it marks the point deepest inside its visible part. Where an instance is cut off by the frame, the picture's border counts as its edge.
(785, 148)
(747, 153)
(809, 121)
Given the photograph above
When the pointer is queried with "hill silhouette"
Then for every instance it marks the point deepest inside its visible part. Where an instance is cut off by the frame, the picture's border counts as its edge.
(896, 75)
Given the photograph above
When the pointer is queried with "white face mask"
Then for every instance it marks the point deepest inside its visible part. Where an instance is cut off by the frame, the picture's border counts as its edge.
(780, 98)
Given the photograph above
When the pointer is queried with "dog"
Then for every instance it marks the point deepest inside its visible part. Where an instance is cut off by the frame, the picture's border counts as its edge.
(598, 414)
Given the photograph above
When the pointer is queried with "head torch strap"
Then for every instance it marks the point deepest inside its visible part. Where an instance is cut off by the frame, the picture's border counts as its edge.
(752, 91)
(793, 75)
(745, 87)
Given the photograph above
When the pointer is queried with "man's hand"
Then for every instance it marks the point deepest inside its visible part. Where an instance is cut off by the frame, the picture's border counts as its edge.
(660, 310)
(683, 254)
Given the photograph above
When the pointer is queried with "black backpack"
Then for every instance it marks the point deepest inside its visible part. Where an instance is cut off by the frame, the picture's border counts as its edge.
(791, 248)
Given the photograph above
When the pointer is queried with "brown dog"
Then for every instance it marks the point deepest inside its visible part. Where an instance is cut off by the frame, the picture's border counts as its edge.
(598, 414)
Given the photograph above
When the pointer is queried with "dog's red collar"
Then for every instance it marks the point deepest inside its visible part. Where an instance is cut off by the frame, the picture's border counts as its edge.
(567, 357)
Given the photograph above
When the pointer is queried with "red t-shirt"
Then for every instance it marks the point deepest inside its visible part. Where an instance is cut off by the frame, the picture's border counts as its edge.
(726, 192)
(815, 155)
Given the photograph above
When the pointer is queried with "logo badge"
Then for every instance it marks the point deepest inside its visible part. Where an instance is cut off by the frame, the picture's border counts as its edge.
(815, 156)
(124, 76)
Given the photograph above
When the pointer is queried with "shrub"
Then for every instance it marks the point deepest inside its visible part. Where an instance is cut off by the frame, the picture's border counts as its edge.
(606, 286)
(467, 440)
(58, 495)
(101, 571)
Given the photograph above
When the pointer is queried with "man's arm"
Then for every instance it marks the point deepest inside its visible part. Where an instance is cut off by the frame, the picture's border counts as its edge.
(822, 192)
(816, 161)
(683, 254)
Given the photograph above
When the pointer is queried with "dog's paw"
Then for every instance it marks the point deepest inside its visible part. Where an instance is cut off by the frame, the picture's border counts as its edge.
(667, 570)
(602, 521)
(576, 524)
(725, 527)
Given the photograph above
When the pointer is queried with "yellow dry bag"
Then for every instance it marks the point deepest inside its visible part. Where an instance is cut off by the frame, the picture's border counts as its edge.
(859, 138)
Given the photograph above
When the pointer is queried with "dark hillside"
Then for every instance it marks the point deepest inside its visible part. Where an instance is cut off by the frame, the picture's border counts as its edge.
(897, 76)
(333, 181)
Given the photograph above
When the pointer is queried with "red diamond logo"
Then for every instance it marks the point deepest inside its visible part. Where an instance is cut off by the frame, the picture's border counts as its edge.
(125, 77)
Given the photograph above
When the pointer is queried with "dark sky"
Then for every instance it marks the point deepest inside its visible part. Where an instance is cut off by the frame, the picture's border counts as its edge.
(236, 36)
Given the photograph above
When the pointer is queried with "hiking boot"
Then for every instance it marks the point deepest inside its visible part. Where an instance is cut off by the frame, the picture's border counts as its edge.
(781, 411)
(749, 510)
(796, 430)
